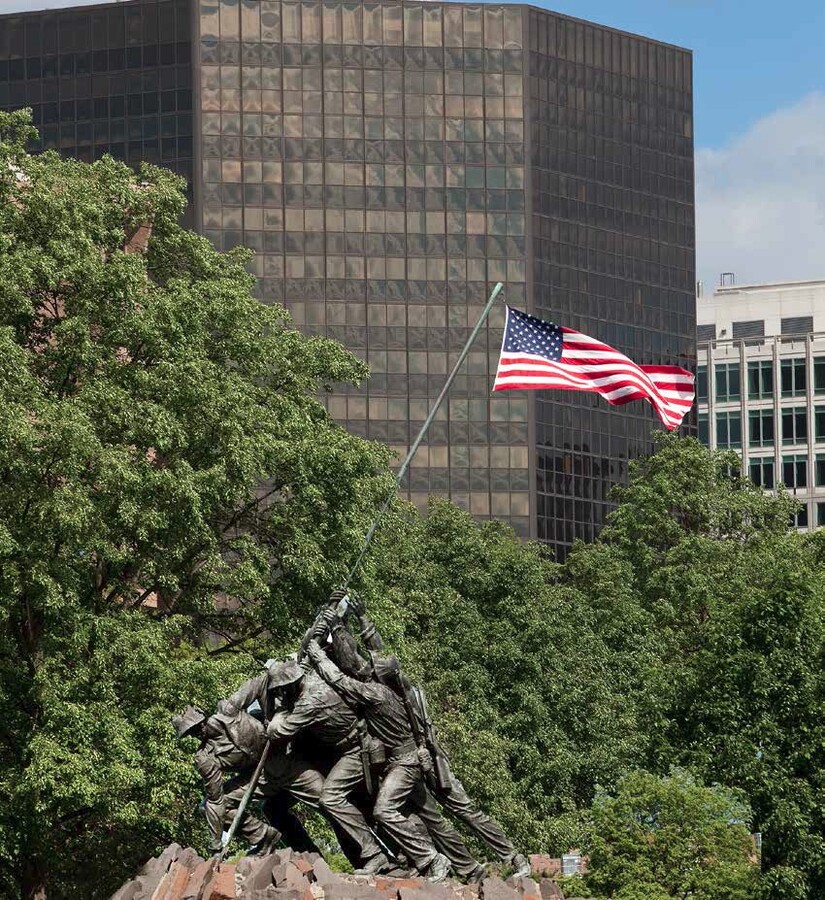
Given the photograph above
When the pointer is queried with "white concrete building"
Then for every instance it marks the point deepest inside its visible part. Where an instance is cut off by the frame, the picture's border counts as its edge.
(761, 384)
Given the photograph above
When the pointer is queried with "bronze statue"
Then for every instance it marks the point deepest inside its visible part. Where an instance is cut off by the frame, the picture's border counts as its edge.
(229, 745)
(233, 741)
(312, 708)
(359, 721)
(386, 721)
(422, 808)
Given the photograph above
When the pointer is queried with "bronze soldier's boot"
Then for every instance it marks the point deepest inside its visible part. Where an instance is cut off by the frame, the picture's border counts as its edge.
(266, 844)
(478, 874)
(376, 865)
(439, 868)
(521, 866)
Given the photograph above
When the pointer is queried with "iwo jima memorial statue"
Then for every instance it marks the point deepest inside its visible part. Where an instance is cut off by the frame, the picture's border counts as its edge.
(340, 728)
(344, 732)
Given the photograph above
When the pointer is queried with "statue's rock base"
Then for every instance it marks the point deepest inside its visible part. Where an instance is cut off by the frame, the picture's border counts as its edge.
(180, 874)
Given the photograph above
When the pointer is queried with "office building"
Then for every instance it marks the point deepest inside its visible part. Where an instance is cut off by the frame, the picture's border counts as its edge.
(389, 163)
(761, 384)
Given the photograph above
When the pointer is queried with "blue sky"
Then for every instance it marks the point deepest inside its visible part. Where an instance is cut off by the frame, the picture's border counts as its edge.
(750, 57)
(759, 106)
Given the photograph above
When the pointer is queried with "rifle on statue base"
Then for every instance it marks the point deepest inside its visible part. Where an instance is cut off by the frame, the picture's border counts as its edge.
(415, 705)
(241, 810)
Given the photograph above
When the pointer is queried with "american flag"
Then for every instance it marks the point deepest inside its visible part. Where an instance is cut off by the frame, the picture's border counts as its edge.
(537, 354)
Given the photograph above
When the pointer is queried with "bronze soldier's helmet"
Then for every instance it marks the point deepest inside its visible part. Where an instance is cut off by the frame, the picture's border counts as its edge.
(283, 673)
(385, 668)
(190, 719)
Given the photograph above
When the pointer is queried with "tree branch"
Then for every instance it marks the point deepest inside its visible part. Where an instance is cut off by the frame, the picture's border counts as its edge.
(231, 644)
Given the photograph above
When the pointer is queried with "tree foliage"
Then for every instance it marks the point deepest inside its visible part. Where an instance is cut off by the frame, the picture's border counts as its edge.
(161, 443)
(528, 692)
(690, 634)
(174, 501)
(736, 603)
(659, 838)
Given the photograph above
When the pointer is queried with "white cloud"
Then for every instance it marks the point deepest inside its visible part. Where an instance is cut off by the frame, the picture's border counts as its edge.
(760, 199)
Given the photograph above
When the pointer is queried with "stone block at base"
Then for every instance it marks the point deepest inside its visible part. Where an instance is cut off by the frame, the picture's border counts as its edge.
(222, 884)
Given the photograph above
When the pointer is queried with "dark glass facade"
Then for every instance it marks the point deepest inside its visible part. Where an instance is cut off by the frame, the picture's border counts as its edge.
(105, 79)
(389, 162)
(373, 155)
(612, 243)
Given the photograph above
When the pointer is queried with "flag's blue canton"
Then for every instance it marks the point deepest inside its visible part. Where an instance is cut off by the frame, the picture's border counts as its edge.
(527, 334)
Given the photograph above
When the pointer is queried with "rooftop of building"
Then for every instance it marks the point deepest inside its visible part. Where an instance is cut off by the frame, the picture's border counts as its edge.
(805, 284)
(85, 7)
(771, 286)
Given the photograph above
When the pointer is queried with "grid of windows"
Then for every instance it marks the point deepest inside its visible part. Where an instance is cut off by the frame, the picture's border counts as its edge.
(611, 190)
(115, 79)
(373, 155)
(781, 397)
(760, 379)
(388, 164)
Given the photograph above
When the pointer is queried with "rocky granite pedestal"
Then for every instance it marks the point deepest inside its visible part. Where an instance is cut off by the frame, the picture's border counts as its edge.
(180, 874)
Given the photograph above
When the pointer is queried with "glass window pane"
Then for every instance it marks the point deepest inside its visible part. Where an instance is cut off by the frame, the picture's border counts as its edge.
(727, 382)
(819, 375)
(702, 384)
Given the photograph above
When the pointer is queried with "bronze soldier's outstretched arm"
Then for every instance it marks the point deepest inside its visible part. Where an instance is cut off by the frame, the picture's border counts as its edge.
(346, 655)
(369, 634)
(356, 693)
(251, 690)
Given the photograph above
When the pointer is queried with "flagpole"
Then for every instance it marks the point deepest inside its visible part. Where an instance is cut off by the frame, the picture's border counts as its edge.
(424, 429)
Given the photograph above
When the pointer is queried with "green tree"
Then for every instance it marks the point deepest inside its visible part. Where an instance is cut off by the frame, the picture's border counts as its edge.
(161, 443)
(735, 604)
(670, 837)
